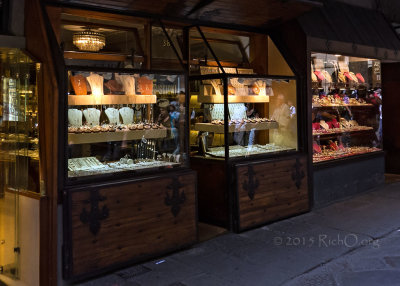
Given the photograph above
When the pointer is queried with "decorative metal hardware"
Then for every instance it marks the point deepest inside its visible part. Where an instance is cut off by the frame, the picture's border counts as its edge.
(252, 183)
(95, 216)
(298, 173)
(177, 198)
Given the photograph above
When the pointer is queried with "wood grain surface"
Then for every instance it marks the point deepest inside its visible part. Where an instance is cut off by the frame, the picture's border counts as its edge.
(139, 223)
(276, 195)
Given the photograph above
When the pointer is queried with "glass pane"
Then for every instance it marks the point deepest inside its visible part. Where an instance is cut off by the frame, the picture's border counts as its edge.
(207, 118)
(262, 116)
(19, 147)
(125, 122)
(231, 50)
(277, 65)
(347, 106)
(163, 55)
(123, 45)
(19, 134)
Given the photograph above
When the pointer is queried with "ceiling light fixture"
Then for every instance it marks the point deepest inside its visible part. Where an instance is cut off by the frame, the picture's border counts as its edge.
(89, 41)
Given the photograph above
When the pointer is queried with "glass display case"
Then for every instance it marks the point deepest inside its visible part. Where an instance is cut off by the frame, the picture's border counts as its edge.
(257, 116)
(19, 149)
(19, 125)
(346, 106)
(124, 121)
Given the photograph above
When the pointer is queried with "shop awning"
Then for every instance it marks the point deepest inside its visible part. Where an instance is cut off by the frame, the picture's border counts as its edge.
(356, 28)
(257, 14)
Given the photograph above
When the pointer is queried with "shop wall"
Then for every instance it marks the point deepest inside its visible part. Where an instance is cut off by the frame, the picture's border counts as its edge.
(343, 180)
(391, 118)
(7, 227)
(29, 239)
(16, 23)
(26, 223)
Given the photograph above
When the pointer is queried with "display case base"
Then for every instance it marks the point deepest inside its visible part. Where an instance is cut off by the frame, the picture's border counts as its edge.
(112, 225)
(245, 194)
(334, 181)
(270, 190)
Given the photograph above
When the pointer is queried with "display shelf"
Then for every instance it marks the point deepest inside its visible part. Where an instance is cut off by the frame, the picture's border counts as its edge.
(238, 151)
(348, 152)
(108, 99)
(84, 138)
(233, 98)
(209, 127)
(96, 56)
(343, 105)
(342, 131)
(115, 167)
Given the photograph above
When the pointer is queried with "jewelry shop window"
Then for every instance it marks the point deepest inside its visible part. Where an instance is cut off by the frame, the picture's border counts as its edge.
(346, 106)
(19, 125)
(120, 121)
(245, 108)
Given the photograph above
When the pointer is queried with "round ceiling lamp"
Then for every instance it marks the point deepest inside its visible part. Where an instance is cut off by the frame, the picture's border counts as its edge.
(89, 41)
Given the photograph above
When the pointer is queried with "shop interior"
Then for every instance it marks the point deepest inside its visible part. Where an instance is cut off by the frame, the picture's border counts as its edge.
(346, 106)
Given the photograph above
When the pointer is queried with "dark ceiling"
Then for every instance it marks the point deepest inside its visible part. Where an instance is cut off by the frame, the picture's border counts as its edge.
(260, 14)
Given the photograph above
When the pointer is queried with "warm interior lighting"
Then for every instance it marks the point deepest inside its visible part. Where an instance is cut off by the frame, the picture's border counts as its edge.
(89, 41)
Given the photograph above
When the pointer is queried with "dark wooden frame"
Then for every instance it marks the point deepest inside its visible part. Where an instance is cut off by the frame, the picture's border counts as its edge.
(65, 185)
(230, 163)
(5, 14)
(187, 25)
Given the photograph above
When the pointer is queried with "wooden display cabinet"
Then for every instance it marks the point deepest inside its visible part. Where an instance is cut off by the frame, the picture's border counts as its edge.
(110, 225)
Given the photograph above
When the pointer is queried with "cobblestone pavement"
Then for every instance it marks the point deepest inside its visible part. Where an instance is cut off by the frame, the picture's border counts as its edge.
(352, 242)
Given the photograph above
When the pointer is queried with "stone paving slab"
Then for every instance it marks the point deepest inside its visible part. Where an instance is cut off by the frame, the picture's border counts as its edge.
(352, 242)
(368, 214)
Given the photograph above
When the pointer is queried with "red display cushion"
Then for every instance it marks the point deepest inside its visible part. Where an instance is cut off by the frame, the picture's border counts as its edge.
(334, 124)
(319, 75)
(334, 146)
(316, 126)
(316, 148)
(360, 78)
(346, 74)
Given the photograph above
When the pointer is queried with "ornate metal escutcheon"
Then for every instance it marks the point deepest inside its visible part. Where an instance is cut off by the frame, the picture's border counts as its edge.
(298, 173)
(252, 183)
(95, 216)
(177, 198)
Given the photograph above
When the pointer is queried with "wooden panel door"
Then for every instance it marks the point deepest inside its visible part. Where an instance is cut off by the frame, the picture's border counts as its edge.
(108, 226)
(271, 190)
